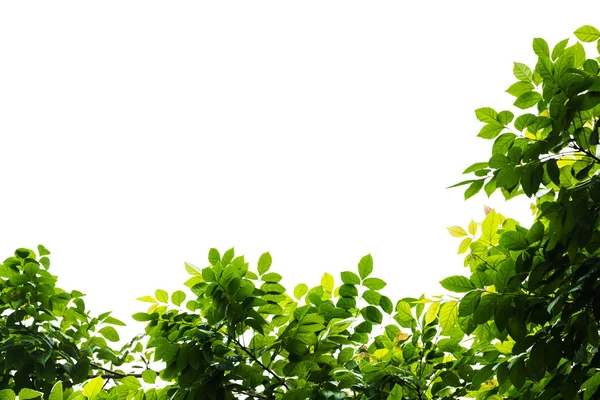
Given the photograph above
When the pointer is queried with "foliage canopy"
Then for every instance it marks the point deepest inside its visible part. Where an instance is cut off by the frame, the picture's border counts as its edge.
(523, 323)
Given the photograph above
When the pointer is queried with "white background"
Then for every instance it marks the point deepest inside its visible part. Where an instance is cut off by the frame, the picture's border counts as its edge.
(135, 135)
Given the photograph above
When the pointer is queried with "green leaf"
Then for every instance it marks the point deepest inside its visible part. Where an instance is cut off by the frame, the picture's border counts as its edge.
(300, 290)
(517, 89)
(462, 183)
(372, 297)
(178, 297)
(142, 317)
(57, 391)
(522, 72)
(213, 256)
(93, 387)
(149, 376)
(544, 67)
(540, 47)
(590, 386)
(457, 283)
(42, 250)
(8, 394)
(490, 131)
(374, 283)
(498, 161)
(476, 167)
(536, 232)
(514, 240)
(503, 143)
(264, 263)
(162, 296)
(395, 393)
(448, 315)
(505, 117)
(559, 48)
(365, 266)
(350, 278)
(587, 33)
(114, 321)
(404, 314)
(26, 394)
(327, 282)
(228, 256)
(109, 333)
(474, 188)
(486, 114)
(527, 100)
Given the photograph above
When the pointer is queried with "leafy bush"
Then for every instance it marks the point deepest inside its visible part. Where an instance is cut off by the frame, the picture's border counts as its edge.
(522, 325)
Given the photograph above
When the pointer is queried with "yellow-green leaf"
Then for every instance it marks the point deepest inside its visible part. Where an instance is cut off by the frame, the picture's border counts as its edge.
(192, 269)
(162, 296)
(26, 394)
(432, 312)
(57, 391)
(109, 333)
(472, 227)
(448, 315)
(93, 387)
(147, 299)
(327, 282)
(7, 394)
(300, 290)
(149, 376)
(178, 297)
(587, 33)
(464, 245)
(489, 228)
(457, 231)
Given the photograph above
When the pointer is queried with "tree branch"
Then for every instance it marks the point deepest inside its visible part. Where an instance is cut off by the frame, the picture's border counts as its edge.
(263, 366)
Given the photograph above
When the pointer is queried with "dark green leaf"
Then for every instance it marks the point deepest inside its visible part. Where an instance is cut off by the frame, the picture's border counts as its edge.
(372, 314)
(514, 240)
(386, 304)
(517, 372)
